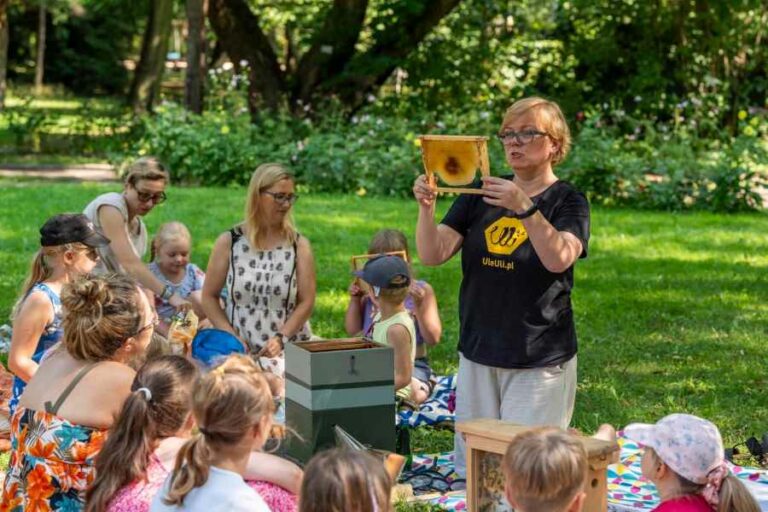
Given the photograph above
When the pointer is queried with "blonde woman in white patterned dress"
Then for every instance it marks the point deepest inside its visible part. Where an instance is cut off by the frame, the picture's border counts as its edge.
(268, 270)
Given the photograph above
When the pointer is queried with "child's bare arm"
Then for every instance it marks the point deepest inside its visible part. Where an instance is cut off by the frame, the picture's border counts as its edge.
(427, 315)
(353, 320)
(271, 468)
(399, 339)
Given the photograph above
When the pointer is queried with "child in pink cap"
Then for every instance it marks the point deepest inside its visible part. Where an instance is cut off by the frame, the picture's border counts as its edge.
(684, 459)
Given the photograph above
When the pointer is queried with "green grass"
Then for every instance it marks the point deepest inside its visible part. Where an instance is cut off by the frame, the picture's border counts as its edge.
(671, 309)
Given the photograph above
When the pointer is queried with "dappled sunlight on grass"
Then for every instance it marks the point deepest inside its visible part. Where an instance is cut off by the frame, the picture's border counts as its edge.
(671, 309)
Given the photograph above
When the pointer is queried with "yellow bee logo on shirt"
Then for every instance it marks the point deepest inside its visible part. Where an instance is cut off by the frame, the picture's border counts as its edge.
(505, 235)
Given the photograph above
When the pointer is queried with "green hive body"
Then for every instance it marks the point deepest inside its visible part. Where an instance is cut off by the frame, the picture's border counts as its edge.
(351, 388)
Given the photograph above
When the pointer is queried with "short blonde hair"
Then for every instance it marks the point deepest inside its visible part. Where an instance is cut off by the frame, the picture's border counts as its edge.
(264, 177)
(552, 121)
(167, 232)
(146, 168)
(545, 468)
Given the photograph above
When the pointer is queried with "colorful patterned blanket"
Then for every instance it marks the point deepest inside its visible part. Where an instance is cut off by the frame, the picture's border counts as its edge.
(437, 411)
(435, 481)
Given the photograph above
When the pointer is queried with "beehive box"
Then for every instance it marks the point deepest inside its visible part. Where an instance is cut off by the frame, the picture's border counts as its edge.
(487, 441)
(346, 382)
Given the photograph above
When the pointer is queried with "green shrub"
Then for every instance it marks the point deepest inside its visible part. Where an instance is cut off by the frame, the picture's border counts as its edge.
(615, 160)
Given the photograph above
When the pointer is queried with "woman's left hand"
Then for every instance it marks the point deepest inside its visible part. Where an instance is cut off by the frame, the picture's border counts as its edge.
(273, 347)
(505, 193)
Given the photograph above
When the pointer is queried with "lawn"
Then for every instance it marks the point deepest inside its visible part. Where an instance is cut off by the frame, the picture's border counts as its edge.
(671, 309)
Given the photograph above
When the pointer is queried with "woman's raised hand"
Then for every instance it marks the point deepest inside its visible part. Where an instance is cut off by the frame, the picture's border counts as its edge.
(424, 191)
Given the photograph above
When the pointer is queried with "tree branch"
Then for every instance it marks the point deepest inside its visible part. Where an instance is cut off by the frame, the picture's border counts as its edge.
(367, 71)
(238, 30)
(333, 45)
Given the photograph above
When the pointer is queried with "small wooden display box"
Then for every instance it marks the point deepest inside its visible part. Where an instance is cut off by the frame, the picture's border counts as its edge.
(456, 160)
(487, 441)
(346, 382)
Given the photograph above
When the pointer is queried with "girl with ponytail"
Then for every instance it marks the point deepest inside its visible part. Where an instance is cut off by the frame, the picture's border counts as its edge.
(154, 424)
(68, 244)
(233, 408)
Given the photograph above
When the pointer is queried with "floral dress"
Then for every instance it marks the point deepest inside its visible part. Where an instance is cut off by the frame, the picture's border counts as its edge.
(51, 463)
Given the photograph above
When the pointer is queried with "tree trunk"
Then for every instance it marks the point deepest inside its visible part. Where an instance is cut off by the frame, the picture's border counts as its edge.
(367, 71)
(241, 37)
(3, 49)
(145, 87)
(331, 66)
(332, 47)
(40, 61)
(193, 85)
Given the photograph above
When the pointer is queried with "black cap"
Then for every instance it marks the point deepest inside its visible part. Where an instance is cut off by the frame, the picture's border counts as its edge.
(383, 270)
(67, 228)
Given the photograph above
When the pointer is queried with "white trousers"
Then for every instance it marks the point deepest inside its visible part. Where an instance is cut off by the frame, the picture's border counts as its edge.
(535, 396)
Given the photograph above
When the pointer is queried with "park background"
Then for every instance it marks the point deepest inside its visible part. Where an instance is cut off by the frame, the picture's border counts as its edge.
(667, 102)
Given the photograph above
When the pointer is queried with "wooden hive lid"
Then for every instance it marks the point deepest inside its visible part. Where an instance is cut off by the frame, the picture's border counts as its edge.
(505, 431)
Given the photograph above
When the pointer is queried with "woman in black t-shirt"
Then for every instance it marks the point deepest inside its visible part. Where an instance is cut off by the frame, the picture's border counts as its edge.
(519, 242)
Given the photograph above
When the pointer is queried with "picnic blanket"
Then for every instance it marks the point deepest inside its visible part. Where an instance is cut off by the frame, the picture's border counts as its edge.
(436, 411)
(627, 492)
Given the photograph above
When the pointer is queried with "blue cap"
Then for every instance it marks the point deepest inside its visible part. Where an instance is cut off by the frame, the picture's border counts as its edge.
(209, 345)
(386, 272)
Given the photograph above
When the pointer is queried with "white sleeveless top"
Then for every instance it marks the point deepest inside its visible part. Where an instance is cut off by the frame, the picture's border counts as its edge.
(137, 236)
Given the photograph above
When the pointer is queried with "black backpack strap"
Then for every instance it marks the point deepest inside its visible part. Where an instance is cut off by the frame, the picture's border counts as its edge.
(236, 234)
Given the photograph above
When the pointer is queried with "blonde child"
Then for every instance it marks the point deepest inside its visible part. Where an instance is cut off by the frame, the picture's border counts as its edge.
(232, 406)
(68, 244)
(545, 469)
(170, 264)
(684, 458)
(388, 279)
(420, 302)
(143, 444)
(340, 480)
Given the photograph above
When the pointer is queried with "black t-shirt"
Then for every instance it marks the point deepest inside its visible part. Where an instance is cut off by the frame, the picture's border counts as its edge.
(514, 312)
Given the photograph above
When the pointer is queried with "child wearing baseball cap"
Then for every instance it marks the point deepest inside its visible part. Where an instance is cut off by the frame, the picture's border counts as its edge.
(68, 244)
(388, 279)
(684, 458)
(545, 468)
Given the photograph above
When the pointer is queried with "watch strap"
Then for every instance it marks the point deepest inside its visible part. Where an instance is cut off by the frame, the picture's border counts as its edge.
(527, 213)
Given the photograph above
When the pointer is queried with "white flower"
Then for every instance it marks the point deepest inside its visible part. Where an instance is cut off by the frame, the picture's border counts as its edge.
(441, 125)
(243, 63)
(378, 122)
(227, 66)
(638, 99)
(371, 98)
(354, 119)
(484, 115)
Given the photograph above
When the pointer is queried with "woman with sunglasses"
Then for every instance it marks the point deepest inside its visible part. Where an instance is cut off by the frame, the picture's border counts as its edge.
(519, 241)
(119, 217)
(268, 270)
(67, 407)
(68, 245)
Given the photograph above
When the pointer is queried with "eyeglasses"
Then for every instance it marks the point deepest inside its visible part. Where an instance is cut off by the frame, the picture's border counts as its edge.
(522, 137)
(146, 197)
(151, 325)
(281, 197)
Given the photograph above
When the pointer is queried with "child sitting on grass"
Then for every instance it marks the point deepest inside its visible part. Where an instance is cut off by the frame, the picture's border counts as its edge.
(388, 279)
(420, 302)
(170, 264)
(142, 445)
(545, 469)
(684, 458)
(343, 480)
(233, 407)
